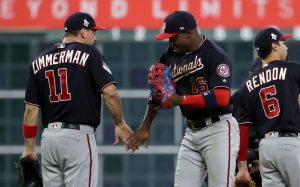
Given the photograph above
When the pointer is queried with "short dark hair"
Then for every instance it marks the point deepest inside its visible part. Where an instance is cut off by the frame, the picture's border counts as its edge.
(73, 33)
(263, 53)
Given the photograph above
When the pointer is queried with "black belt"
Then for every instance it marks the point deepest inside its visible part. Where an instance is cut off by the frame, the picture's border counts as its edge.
(70, 126)
(199, 124)
(288, 134)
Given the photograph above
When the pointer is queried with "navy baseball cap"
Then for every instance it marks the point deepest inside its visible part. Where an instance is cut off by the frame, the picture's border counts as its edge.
(266, 37)
(175, 23)
(80, 20)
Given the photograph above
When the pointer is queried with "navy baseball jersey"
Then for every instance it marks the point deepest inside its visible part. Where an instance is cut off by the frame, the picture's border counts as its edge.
(235, 98)
(197, 72)
(269, 98)
(60, 82)
(256, 64)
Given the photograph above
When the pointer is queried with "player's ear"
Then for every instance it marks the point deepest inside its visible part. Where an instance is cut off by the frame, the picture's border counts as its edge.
(83, 32)
(189, 34)
(274, 46)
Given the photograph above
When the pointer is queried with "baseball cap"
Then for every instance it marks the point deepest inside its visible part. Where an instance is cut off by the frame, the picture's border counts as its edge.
(266, 37)
(175, 23)
(79, 20)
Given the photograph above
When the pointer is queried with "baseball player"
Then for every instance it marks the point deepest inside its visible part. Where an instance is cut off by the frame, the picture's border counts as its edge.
(201, 71)
(252, 150)
(66, 82)
(256, 64)
(269, 102)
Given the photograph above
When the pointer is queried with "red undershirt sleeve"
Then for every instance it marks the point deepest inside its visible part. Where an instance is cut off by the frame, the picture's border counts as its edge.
(218, 97)
(242, 155)
(222, 96)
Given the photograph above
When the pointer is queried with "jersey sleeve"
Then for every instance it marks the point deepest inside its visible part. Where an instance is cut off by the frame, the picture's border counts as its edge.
(240, 112)
(297, 70)
(100, 72)
(32, 92)
(220, 71)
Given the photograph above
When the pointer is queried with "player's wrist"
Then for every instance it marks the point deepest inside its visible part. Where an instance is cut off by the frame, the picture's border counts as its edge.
(121, 123)
(29, 150)
(242, 165)
(175, 100)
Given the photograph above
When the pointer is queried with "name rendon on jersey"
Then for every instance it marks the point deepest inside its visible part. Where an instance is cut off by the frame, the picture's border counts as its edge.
(265, 77)
(69, 56)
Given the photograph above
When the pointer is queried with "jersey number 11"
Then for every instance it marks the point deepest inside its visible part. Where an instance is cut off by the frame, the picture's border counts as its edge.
(64, 94)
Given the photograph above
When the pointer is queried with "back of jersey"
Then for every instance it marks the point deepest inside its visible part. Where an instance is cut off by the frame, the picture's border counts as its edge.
(269, 98)
(66, 82)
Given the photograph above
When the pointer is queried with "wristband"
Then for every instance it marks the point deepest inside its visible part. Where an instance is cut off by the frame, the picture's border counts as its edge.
(210, 99)
(29, 131)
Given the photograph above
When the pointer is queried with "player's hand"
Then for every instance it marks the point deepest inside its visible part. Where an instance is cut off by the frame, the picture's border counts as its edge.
(243, 174)
(243, 178)
(122, 131)
(140, 136)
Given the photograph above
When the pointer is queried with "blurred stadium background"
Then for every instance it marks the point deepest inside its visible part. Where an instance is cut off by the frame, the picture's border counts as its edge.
(27, 27)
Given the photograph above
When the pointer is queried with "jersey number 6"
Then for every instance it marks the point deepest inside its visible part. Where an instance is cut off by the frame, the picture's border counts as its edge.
(269, 102)
(64, 94)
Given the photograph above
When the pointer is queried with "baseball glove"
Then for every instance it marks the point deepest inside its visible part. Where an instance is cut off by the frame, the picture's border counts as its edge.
(161, 84)
(29, 172)
(243, 183)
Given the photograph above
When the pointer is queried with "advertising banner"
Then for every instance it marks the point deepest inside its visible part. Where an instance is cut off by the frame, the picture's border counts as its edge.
(129, 14)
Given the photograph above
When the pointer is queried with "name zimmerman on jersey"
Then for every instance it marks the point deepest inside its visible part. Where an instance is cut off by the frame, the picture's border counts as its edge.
(70, 56)
(265, 77)
(180, 71)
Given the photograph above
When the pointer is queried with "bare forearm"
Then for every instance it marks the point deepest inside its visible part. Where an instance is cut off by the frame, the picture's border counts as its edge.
(150, 114)
(114, 104)
(30, 144)
(176, 100)
(115, 108)
(30, 121)
(31, 115)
